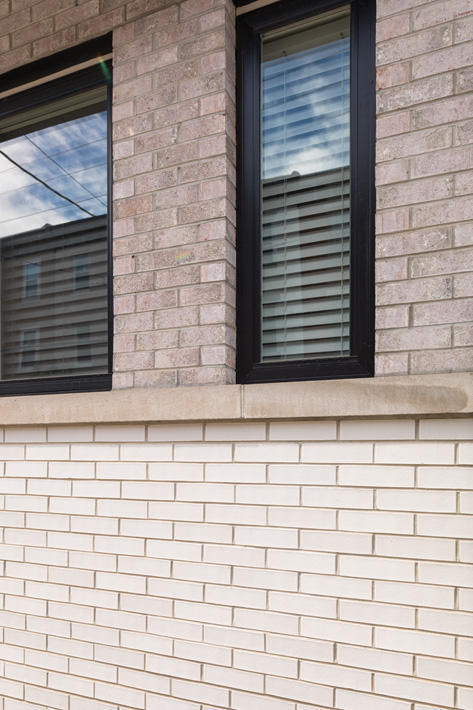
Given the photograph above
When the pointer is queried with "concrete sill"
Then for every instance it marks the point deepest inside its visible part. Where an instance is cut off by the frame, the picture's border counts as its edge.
(412, 395)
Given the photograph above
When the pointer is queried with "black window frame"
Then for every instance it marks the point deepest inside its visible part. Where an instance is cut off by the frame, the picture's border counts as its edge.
(250, 27)
(70, 83)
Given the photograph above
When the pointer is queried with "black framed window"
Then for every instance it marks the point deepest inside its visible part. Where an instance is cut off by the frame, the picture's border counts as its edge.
(55, 260)
(306, 108)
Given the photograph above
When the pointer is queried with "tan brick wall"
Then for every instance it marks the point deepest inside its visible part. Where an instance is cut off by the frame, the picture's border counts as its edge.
(174, 179)
(248, 565)
(424, 186)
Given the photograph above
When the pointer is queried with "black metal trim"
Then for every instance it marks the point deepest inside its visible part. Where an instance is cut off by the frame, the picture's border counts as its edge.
(56, 62)
(56, 385)
(65, 86)
(249, 28)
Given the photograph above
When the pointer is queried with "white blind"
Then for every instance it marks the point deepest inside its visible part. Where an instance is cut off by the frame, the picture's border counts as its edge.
(306, 192)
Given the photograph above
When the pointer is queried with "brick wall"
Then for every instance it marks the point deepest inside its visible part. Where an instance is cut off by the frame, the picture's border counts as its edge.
(266, 566)
(174, 178)
(424, 186)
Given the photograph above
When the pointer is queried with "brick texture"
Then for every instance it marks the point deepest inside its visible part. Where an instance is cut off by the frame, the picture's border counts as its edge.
(424, 186)
(178, 567)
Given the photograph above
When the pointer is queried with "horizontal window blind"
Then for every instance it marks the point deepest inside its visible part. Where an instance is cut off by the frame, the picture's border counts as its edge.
(53, 325)
(305, 255)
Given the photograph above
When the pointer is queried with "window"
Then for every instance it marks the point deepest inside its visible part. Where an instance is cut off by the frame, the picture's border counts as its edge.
(54, 230)
(305, 190)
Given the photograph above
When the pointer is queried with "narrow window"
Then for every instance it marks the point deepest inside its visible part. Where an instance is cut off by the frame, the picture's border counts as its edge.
(306, 108)
(54, 233)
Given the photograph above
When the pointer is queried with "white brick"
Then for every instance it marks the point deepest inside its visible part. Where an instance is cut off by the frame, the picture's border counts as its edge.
(47, 452)
(267, 495)
(173, 667)
(445, 525)
(465, 649)
(302, 517)
(70, 541)
(430, 501)
(466, 502)
(207, 613)
(92, 524)
(238, 431)
(121, 582)
(238, 638)
(306, 604)
(121, 470)
(415, 547)
(15, 485)
(119, 620)
(190, 551)
(372, 613)
(143, 565)
(266, 621)
(200, 692)
(64, 433)
(415, 594)
(301, 561)
(198, 572)
(244, 701)
(336, 675)
(175, 589)
(302, 473)
(202, 532)
(334, 586)
(176, 471)
(341, 631)
(146, 528)
(96, 489)
(303, 431)
(71, 469)
(12, 452)
(92, 669)
(374, 521)
(414, 453)
(203, 653)
(234, 678)
(376, 476)
(339, 452)
(455, 575)
(321, 497)
(447, 671)
(122, 508)
(298, 690)
(178, 511)
(334, 541)
(78, 506)
(175, 432)
(235, 472)
(414, 689)
(205, 492)
(465, 599)
(146, 681)
(449, 622)
(145, 452)
(369, 430)
(377, 568)
(46, 697)
(146, 642)
(26, 469)
(414, 642)
(94, 597)
(465, 453)
(203, 452)
(93, 561)
(235, 596)
(47, 487)
(300, 647)
(374, 659)
(236, 514)
(120, 694)
(271, 452)
(120, 656)
(349, 700)
(465, 550)
(458, 428)
(119, 432)
(266, 537)
(265, 579)
(94, 452)
(147, 491)
(234, 555)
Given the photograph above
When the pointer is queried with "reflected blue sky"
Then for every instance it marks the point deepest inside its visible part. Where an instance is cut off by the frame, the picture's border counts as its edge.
(306, 116)
(70, 157)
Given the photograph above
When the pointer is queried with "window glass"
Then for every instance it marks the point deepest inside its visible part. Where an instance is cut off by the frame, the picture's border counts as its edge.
(53, 229)
(305, 190)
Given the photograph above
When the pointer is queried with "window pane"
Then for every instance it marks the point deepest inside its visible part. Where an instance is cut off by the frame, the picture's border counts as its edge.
(53, 239)
(305, 173)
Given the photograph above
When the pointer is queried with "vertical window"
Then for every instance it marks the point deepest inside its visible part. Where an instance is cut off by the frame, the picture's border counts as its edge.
(31, 279)
(54, 198)
(305, 140)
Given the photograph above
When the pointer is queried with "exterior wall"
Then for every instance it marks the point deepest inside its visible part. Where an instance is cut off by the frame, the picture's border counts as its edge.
(424, 187)
(174, 177)
(275, 565)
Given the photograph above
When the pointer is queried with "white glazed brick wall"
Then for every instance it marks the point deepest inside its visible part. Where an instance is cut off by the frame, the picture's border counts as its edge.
(251, 566)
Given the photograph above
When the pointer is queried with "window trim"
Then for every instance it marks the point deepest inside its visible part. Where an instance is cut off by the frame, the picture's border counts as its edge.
(362, 143)
(34, 96)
